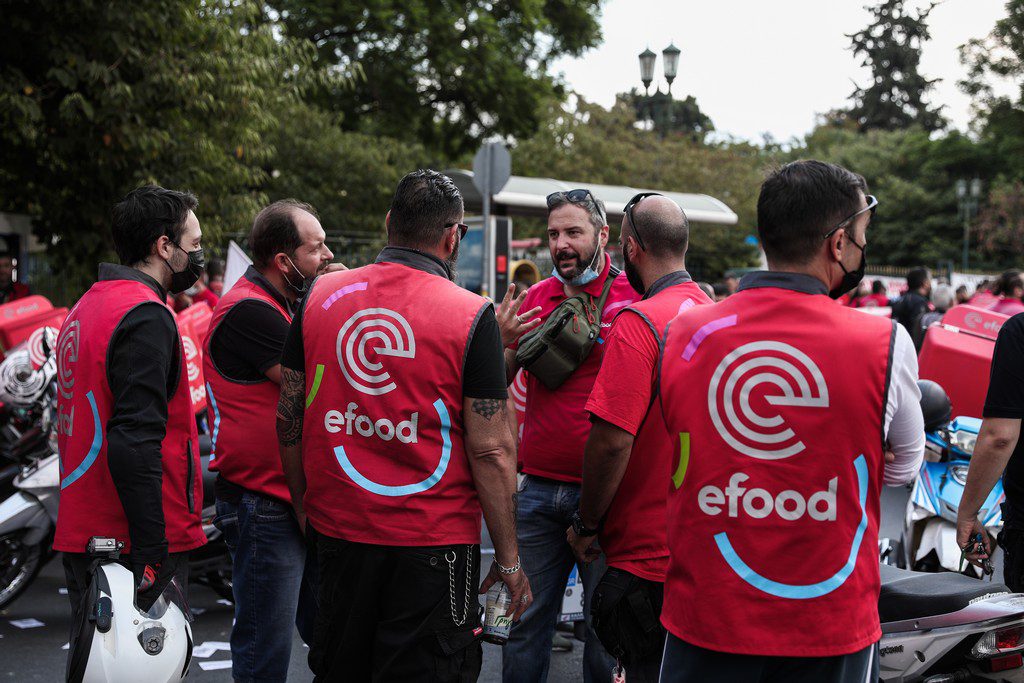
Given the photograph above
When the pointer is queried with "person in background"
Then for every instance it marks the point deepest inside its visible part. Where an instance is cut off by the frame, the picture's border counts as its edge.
(731, 282)
(1009, 288)
(628, 447)
(741, 604)
(707, 289)
(274, 581)
(860, 297)
(555, 430)
(962, 296)
(720, 291)
(983, 296)
(878, 296)
(10, 290)
(942, 301)
(215, 281)
(204, 288)
(394, 439)
(138, 479)
(915, 302)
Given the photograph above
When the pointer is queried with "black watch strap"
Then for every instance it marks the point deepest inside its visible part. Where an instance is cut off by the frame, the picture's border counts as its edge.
(580, 529)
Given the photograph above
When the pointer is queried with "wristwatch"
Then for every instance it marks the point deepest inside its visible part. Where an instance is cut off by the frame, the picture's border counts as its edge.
(580, 529)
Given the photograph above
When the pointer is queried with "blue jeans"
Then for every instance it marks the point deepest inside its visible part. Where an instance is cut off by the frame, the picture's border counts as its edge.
(545, 512)
(273, 584)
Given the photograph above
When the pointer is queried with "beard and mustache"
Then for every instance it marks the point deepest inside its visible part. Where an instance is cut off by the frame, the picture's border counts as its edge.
(583, 260)
(633, 275)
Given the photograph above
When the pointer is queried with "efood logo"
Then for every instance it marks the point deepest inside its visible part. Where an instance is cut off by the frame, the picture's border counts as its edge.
(190, 357)
(368, 333)
(67, 355)
(795, 381)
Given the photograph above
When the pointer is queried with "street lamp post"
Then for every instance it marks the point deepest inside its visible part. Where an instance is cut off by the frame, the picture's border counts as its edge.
(659, 106)
(967, 196)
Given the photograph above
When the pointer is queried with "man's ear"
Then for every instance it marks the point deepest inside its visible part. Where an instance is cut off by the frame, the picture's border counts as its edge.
(163, 247)
(603, 236)
(835, 244)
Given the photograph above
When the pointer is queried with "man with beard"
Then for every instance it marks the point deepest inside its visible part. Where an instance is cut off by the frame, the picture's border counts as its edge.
(554, 432)
(274, 586)
(629, 449)
(394, 436)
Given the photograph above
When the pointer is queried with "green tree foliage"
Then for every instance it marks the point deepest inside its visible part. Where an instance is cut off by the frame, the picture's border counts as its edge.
(445, 73)
(98, 97)
(671, 116)
(590, 144)
(349, 177)
(891, 47)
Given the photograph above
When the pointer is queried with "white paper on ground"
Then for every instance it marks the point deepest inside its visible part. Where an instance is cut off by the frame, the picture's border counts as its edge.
(26, 623)
(196, 611)
(222, 601)
(214, 665)
(62, 591)
(203, 651)
(66, 646)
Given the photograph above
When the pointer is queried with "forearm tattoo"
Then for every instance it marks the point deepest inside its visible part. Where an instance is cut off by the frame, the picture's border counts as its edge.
(290, 407)
(488, 407)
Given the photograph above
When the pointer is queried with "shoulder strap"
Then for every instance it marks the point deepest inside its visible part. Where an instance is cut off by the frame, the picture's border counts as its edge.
(612, 274)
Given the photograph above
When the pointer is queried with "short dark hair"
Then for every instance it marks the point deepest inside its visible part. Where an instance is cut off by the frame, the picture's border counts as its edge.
(917, 277)
(1007, 282)
(878, 287)
(424, 203)
(664, 228)
(274, 231)
(215, 268)
(596, 212)
(801, 202)
(145, 215)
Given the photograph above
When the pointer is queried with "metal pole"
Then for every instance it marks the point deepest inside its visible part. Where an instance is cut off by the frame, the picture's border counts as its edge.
(967, 228)
(488, 270)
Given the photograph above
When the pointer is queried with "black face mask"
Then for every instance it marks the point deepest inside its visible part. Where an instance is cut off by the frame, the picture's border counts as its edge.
(851, 278)
(633, 275)
(185, 278)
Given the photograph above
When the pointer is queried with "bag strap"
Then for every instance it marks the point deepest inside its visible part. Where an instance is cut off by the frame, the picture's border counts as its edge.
(599, 307)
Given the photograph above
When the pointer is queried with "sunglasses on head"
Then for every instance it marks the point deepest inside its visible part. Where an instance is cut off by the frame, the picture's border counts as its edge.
(580, 196)
(872, 207)
(463, 228)
(630, 205)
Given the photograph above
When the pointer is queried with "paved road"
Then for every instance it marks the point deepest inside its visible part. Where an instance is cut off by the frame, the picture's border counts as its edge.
(36, 655)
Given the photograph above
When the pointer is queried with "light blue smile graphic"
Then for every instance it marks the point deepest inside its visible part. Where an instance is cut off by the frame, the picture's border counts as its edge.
(94, 449)
(216, 421)
(814, 590)
(406, 489)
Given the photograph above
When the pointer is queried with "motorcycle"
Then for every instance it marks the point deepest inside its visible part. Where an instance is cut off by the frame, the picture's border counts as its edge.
(941, 628)
(928, 541)
(28, 517)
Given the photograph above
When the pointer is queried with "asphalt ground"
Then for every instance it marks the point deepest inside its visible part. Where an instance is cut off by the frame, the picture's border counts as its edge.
(36, 654)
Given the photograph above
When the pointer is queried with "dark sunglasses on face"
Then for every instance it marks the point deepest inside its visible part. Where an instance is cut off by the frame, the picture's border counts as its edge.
(580, 196)
(872, 207)
(463, 228)
(630, 205)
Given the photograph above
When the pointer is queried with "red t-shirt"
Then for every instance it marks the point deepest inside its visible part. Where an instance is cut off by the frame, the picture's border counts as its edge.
(557, 424)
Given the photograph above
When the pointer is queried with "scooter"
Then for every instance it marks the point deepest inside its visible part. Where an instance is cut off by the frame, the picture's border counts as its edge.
(941, 628)
(928, 541)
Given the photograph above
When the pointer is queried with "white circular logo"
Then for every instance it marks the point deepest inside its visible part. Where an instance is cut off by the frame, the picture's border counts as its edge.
(381, 332)
(795, 381)
(67, 355)
(190, 355)
(518, 391)
(38, 351)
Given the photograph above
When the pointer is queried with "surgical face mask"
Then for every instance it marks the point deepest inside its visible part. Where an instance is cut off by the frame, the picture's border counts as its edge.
(851, 278)
(189, 275)
(303, 283)
(586, 277)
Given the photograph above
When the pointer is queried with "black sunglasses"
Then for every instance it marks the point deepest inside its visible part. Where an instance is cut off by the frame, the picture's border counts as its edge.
(580, 196)
(463, 229)
(872, 207)
(630, 205)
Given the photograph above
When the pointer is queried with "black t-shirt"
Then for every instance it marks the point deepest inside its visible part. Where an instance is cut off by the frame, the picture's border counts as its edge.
(1006, 399)
(248, 341)
(483, 374)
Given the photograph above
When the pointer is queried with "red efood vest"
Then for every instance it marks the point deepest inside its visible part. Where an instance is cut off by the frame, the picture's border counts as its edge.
(89, 504)
(775, 399)
(634, 527)
(382, 443)
(244, 413)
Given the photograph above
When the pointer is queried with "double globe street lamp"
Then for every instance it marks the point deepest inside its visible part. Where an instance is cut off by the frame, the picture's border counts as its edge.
(647, 59)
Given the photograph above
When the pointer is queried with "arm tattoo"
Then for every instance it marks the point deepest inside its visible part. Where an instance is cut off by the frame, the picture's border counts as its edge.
(488, 407)
(290, 407)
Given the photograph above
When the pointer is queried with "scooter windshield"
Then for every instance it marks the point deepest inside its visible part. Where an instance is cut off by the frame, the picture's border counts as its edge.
(173, 594)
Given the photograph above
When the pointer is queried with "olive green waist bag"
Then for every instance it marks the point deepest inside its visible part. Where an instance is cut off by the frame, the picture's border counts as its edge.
(553, 351)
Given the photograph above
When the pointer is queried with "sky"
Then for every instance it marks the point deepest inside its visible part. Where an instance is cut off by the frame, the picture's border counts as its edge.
(757, 67)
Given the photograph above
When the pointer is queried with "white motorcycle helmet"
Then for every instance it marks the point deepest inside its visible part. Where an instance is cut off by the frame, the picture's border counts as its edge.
(118, 643)
(27, 369)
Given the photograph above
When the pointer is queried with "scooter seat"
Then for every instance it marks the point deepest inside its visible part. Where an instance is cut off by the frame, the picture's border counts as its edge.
(913, 595)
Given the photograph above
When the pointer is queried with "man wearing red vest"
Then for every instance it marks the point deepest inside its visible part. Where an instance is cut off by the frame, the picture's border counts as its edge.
(555, 430)
(629, 447)
(782, 406)
(273, 584)
(126, 435)
(394, 437)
